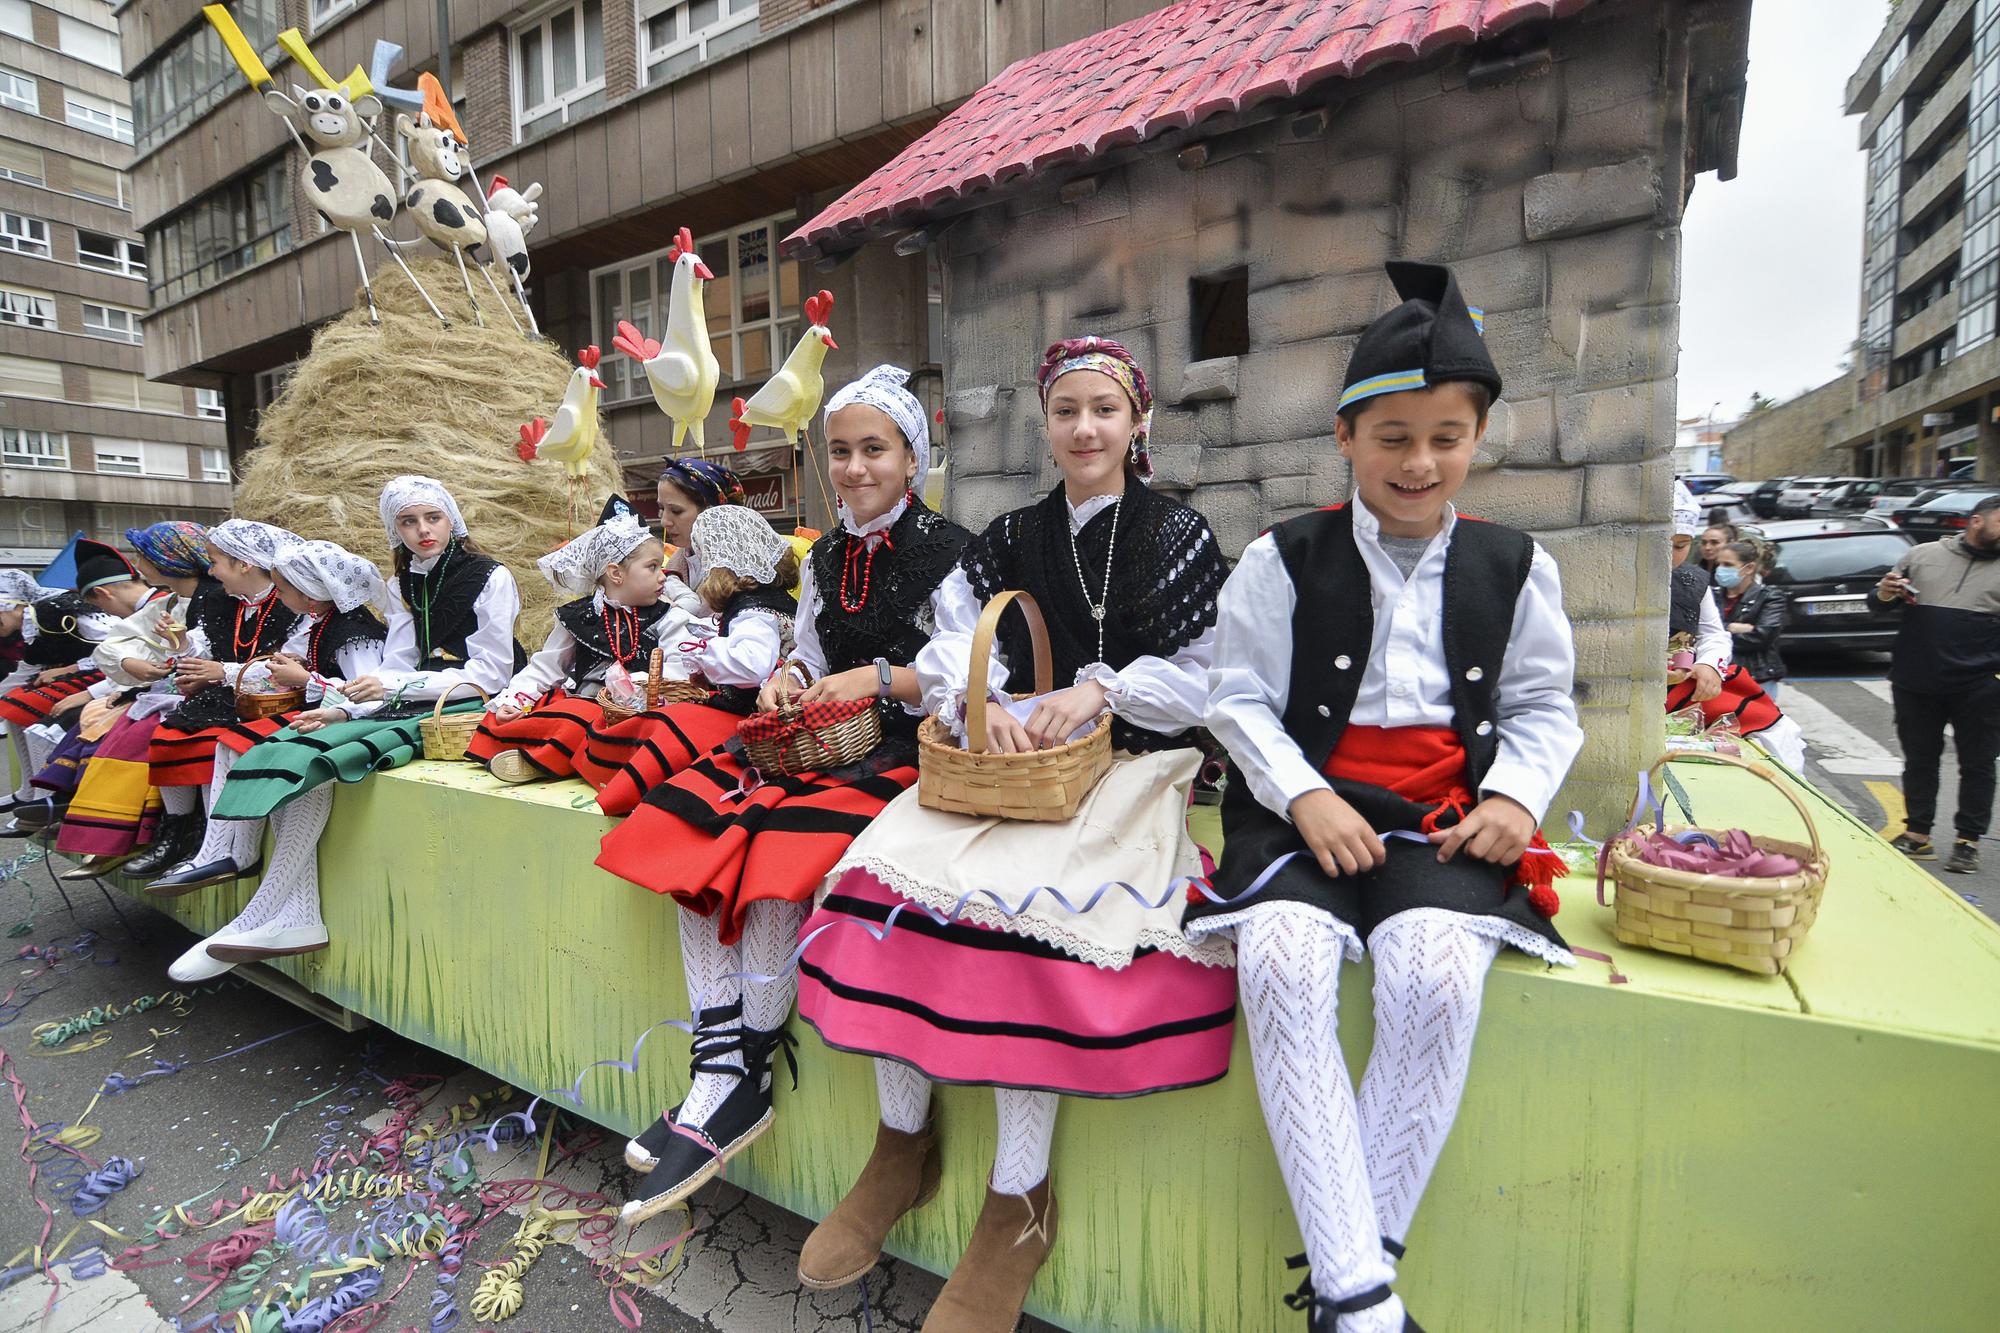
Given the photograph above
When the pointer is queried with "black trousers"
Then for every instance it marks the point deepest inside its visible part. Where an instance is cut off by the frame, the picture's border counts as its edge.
(1974, 718)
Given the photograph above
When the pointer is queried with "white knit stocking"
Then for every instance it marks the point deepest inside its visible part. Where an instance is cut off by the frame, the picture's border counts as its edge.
(1288, 977)
(236, 839)
(1430, 971)
(770, 934)
(177, 800)
(23, 765)
(39, 750)
(1027, 1125)
(905, 1095)
(288, 896)
(708, 963)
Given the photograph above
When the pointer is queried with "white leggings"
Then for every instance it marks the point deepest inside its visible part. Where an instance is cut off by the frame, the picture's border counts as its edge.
(1027, 1123)
(770, 933)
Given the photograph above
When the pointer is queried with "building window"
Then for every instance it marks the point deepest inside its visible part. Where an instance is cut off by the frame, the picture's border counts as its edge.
(16, 20)
(752, 305)
(86, 42)
(215, 465)
(110, 254)
(119, 388)
(242, 223)
(120, 458)
(1221, 313)
(677, 35)
(31, 310)
(24, 236)
(112, 321)
(26, 377)
(270, 383)
(193, 72)
(34, 448)
(18, 91)
(326, 11)
(21, 162)
(165, 460)
(208, 404)
(98, 116)
(93, 180)
(31, 525)
(558, 62)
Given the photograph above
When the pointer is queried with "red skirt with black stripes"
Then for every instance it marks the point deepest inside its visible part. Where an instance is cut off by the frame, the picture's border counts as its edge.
(551, 734)
(625, 760)
(1742, 699)
(31, 703)
(716, 849)
(239, 736)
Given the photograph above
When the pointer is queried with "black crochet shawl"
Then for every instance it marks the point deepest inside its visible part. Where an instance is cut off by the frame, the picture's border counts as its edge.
(1166, 571)
(594, 650)
(325, 639)
(215, 611)
(451, 592)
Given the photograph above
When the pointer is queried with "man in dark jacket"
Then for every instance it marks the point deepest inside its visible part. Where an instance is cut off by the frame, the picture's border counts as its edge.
(1946, 671)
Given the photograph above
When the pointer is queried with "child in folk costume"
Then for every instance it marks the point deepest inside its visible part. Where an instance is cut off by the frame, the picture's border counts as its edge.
(1036, 1000)
(251, 622)
(1393, 682)
(742, 869)
(535, 727)
(451, 626)
(336, 594)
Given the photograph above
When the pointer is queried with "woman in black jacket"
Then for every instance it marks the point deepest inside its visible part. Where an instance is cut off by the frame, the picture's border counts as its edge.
(1754, 613)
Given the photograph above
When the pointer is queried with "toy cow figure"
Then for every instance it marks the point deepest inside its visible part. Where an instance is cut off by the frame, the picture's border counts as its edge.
(340, 179)
(443, 212)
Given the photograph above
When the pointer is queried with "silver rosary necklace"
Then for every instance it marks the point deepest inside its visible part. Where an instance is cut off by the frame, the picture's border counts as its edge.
(1098, 604)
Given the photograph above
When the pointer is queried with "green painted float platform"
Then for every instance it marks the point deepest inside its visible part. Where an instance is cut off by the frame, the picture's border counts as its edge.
(1696, 1148)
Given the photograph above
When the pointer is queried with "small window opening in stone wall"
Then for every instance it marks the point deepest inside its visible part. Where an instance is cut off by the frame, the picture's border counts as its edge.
(1221, 318)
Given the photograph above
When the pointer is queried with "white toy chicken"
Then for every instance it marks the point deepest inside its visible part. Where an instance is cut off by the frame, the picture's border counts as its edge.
(573, 436)
(790, 399)
(681, 367)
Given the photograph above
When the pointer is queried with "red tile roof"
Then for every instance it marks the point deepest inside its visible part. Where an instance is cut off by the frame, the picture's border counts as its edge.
(1164, 71)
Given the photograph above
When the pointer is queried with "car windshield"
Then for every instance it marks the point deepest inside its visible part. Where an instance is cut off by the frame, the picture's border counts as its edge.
(1861, 555)
(1955, 502)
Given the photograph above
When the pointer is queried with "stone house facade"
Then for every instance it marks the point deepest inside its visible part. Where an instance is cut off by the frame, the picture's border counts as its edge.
(1793, 439)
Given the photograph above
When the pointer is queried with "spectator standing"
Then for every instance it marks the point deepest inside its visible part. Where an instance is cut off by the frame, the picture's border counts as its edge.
(1946, 672)
(1753, 612)
(1713, 539)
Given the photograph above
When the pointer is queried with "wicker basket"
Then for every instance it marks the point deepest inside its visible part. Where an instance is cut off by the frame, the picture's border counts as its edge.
(1044, 785)
(658, 691)
(805, 749)
(251, 705)
(446, 737)
(1752, 923)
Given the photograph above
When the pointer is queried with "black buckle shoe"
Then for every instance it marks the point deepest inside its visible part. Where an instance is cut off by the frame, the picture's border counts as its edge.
(177, 838)
(187, 877)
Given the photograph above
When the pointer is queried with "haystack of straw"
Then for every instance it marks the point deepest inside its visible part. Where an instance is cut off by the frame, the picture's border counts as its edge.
(370, 403)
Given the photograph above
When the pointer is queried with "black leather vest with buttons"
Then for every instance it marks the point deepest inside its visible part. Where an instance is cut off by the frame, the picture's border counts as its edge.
(1690, 586)
(1333, 627)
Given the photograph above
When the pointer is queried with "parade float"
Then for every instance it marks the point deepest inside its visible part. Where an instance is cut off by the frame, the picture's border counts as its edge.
(1678, 1142)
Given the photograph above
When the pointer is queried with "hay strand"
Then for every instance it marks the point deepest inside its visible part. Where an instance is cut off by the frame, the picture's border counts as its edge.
(368, 403)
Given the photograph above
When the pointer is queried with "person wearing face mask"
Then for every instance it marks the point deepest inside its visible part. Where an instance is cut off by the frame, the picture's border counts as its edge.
(1945, 672)
(1753, 612)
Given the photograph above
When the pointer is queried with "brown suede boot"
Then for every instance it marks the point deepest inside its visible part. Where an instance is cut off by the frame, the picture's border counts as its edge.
(1010, 1243)
(901, 1174)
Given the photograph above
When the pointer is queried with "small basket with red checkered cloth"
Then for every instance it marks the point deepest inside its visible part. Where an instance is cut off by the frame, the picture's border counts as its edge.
(807, 738)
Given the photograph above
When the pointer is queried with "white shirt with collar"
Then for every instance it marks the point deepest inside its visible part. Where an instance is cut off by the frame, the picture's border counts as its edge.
(1166, 694)
(1712, 644)
(551, 666)
(1405, 682)
(489, 649)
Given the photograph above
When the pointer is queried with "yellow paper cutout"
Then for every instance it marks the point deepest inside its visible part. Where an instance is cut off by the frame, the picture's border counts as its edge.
(356, 85)
(239, 47)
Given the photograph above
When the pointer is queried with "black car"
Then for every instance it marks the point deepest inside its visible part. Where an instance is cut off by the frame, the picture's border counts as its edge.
(1942, 515)
(1828, 568)
(1764, 500)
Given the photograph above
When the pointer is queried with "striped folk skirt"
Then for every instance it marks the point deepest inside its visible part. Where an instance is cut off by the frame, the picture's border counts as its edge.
(716, 849)
(116, 805)
(29, 704)
(550, 735)
(625, 760)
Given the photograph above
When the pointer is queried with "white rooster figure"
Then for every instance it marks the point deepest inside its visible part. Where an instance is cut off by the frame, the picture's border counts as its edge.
(572, 438)
(510, 215)
(681, 367)
(790, 399)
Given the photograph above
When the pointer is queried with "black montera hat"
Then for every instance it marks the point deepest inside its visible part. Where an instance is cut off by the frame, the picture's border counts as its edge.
(615, 506)
(1431, 338)
(98, 564)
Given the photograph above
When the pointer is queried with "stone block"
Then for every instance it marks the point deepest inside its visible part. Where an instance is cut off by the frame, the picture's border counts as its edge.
(1622, 425)
(1601, 574)
(1338, 303)
(1636, 265)
(1289, 392)
(1208, 381)
(1535, 500)
(1607, 62)
(1628, 345)
(1527, 430)
(1108, 202)
(1515, 278)
(1531, 362)
(1235, 514)
(1313, 182)
(977, 501)
(1324, 486)
(1255, 462)
(1177, 454)
(1365, 125)
(965, 406)
(1628, 492)
(1612, 648)
(1612, 133)
(1223, 188)
(1566, 203)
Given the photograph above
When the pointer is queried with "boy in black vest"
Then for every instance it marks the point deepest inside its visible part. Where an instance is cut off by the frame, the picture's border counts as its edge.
(1393, 683)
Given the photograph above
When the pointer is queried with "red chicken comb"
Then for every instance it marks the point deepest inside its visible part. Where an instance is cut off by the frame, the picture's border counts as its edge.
(819, 308)
(588, 357)
(683, 245)
(495, 185)
(531, 439)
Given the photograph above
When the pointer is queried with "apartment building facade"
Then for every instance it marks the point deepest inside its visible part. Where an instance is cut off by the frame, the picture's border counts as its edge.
(734, 118)
(87, 443)
(1927, 374)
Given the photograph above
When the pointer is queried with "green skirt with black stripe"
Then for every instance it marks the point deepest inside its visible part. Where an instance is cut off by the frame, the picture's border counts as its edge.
(274, 772)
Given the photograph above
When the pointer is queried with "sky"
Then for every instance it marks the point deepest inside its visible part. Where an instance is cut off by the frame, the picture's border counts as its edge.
(1771, 261)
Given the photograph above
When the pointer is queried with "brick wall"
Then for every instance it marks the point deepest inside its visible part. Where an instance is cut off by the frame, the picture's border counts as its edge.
(773, 14)
(489, 112)
(1790, 439)
(621, 48)
(1556, 196)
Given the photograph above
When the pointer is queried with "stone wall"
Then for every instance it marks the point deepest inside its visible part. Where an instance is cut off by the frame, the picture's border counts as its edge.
(1790, 440)
(1556, 192)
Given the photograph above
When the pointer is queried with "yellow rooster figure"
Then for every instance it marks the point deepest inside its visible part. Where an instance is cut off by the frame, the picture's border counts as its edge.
(790, 399)
(681, 368)
(570, 440)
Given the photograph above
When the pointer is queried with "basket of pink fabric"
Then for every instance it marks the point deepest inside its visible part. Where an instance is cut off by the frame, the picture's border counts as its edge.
(1730, 897)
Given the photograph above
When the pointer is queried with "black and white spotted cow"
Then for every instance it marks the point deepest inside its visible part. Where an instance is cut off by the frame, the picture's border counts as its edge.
(442, 211)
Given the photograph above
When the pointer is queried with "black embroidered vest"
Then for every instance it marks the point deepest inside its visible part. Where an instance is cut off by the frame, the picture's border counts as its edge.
(742, 699)
(1690, 588)
(594, 650)
(234, 637)
(58, 637)
(444, 605)
(325, 639)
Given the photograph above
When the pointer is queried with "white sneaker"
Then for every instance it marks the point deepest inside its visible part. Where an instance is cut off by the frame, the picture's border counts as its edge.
(197, 964)
(246, 946)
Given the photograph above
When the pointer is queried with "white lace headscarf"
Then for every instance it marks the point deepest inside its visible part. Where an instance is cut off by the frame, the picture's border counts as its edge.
(329, 573)
(410, 492)
(574, 567)
(18, 588)
(1687, 511)
(257, 544)
(882, 388)
(735, 538)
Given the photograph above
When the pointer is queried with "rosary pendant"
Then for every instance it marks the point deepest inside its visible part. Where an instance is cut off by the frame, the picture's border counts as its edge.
(1097, 613)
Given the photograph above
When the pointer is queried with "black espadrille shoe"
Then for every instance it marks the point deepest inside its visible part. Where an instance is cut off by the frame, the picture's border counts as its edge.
(693, 1155)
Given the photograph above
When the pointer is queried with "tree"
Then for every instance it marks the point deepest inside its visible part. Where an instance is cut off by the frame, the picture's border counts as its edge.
(1759, 403)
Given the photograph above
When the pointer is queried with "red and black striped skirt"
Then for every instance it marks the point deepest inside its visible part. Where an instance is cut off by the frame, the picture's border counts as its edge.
(550, 734)
(1742, 699)
(625, 760)
(30, 704)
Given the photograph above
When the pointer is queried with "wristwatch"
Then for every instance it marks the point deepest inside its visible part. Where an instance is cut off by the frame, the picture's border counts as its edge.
(888, 677)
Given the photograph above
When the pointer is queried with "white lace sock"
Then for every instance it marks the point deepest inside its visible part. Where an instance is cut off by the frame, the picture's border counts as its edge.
(905, 1095)
(708, 963)
(288, 895)
(22, 764)
(39, 750)
(236, 839)
(1430, 972)
(1288, 977)
(770, 934)
(1027, 1125)
(177, 800)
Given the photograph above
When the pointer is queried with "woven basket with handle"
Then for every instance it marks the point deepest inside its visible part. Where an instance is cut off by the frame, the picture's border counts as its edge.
(1751, 923)
(659, 691)
(1044, 785)
(808, 738)
(445, 737)
(251, 705)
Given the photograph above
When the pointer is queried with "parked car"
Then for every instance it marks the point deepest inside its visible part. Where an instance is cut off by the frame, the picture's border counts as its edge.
(1893, 493)
(1701, 483)
(1909, 504)
(1797, 500)
(1828, 568)
(1721, 507)
(1783, 529)
(1764, 500)
(1948, 513)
